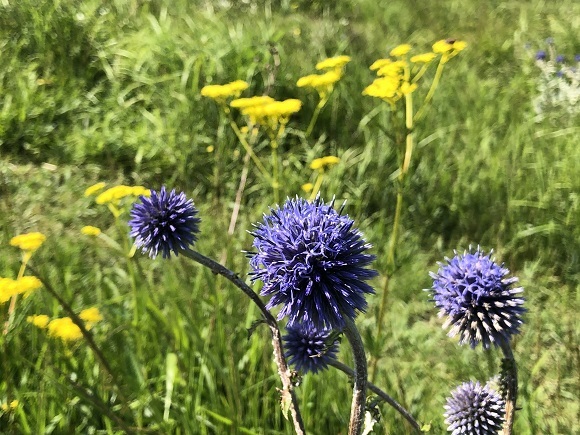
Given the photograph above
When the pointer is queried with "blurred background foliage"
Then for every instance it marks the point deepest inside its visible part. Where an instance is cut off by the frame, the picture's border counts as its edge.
(109, 91)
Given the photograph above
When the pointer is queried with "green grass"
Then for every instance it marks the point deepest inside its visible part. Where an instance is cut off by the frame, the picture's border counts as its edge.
(91, 92)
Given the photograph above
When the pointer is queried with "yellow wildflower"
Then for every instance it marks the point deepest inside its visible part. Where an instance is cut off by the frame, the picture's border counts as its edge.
(274, 111)
(333, 62)
(407, 88)
(442, 46)
(392, 69)
(91, 315)
(321, 163)
(386, 88)
(65, 329)
(114, 194)
(423, 58)
(307, 187)
(220, 92)
(323, 83)
(141, 191)
(90, 230)
(7, 289)
(26, 285)
(379, 63)
(400, 50)
(94, 188)
(242, 103)
(459, 45)
(38, 320)
(210, 148)
(10, 406)
(28, 242)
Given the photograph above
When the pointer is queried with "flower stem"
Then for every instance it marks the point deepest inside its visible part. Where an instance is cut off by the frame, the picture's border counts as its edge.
(509, 386)
(315, 114)
(317, 185)
(275, 169)
(388, 399)
(432, 89)
(359, 393)
(12, 308)
(289, 399)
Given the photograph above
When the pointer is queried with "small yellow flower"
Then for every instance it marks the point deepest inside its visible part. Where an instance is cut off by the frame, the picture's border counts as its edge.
(323, 83)
(242, 103)
(423, 58)
(210, 148)
(333, 62)
(28, 242)
(6, 407)
(459, 45)
(274, 112)
(407, 88)
(323, 162)
(442, 46)
(221, 92)
(7, 289)
(26, 285)
(95, 188)
(90, 231)
(400, 50)
(65, 329)
(307, 187)
(114, 194)
(386, 88)
(393, 69)
(141, 191)
(91, 315)
(379, 63)
(38, 320)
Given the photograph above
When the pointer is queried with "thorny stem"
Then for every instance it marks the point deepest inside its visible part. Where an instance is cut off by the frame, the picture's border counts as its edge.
(288, 395)
(388, 399)
(510, 386)
(359, 392)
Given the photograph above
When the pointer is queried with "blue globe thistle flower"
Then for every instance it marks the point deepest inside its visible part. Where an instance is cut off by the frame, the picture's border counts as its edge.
(541, 55)
(164, 222)
(560, 58)
(308, 349)
(480, 302)
(577, 58)
(312, 261)
(474, 409)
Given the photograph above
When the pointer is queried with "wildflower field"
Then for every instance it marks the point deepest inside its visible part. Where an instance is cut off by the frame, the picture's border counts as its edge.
(278, 217)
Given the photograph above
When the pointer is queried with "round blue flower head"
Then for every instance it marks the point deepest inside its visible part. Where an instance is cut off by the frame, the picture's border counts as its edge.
(313, 262)
(560, 58)
(309, 350)
(541, 55)
(474, 409)
(479, 301)
(164, 222)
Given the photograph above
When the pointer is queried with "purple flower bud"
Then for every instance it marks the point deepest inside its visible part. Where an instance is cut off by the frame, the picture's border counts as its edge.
(541, 55)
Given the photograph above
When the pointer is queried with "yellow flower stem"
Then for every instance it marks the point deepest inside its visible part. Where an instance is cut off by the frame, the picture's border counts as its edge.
(315, 114)
(432, 89)
(12, 308)
(420, 73)
(397, 219)
(248, 148)
(317, 184)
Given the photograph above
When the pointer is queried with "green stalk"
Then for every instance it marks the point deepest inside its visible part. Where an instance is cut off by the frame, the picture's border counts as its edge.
(275, 169)
(433, 87)
(317, 185)
(315, 114)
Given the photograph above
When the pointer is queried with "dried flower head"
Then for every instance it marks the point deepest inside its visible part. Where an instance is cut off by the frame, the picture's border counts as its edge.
(477, 298)
(164, 222)
(474, 409)
(308, 349)
(312, 262)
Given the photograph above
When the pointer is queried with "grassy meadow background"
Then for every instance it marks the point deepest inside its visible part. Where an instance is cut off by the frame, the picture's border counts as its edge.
(110, 91)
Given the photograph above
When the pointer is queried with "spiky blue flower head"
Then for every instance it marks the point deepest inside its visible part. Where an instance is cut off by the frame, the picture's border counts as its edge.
(474, 409)
(560, 58)
(313, 262)
(164, 222)
(478, 299)
(541, 55)
(308, 349)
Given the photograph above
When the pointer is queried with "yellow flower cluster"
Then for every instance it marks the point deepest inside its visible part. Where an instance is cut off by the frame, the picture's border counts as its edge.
(221, 92)
(268, 111)
(7, 407)
(95, 188)
(90, 231)
(64, 327)
(28, 242)
(24, 285)
(324, 83)
(448, 48)
(400, 50)
(323, 162)
(114, 194)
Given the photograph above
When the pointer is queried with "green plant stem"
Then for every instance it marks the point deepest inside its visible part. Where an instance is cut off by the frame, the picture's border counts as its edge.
(388, 399)
(359, 391)
(315, 114)
(248, 148)
(12, 308)
(289, 400)
(510, 387)
(317, 185)
(432, 88)
(275, 169)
